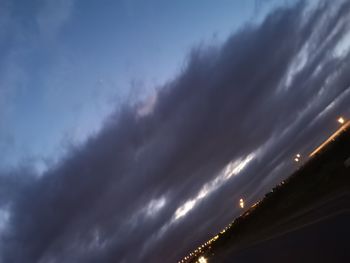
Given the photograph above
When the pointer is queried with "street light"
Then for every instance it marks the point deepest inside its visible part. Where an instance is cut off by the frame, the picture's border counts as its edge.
(341, 120)
(241, 203)
(297, 158)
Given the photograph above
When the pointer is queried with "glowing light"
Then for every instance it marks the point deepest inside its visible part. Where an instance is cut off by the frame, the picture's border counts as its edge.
(241, 203)
(298, 155)
(331, 138)
(202, 260)
(341, 120)
(296, 160)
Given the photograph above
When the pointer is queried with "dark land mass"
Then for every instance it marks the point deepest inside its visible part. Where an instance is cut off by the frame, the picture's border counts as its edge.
(306, 218)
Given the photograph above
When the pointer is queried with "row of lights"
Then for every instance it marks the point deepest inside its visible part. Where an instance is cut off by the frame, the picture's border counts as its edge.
(297, 157)
(209, 242)
(202, 259)
(199, 250)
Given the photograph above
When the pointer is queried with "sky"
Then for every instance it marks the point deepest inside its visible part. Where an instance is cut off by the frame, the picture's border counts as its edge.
(129, 130)
(80, 60)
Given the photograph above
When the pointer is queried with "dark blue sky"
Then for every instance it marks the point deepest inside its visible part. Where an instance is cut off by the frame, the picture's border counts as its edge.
(129, 130)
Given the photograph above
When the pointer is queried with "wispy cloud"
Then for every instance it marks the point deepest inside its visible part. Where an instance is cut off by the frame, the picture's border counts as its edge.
(233, 168)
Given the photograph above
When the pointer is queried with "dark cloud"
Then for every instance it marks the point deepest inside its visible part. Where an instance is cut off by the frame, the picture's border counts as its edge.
(13, 182)
(270, 89)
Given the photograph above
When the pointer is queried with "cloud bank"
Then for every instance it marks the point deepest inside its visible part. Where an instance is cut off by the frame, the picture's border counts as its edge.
(225, 127)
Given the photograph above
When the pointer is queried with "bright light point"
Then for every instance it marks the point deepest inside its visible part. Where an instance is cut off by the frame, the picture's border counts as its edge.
(241, 203)
(298, 155)
(341, 120)
(202, 260)
(296, 160)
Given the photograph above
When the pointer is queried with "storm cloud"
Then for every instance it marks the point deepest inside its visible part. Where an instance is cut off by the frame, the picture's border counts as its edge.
(163, 175)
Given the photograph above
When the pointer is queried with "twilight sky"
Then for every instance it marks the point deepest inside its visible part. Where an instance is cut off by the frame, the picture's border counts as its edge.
(79, 60)
(129, 130)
